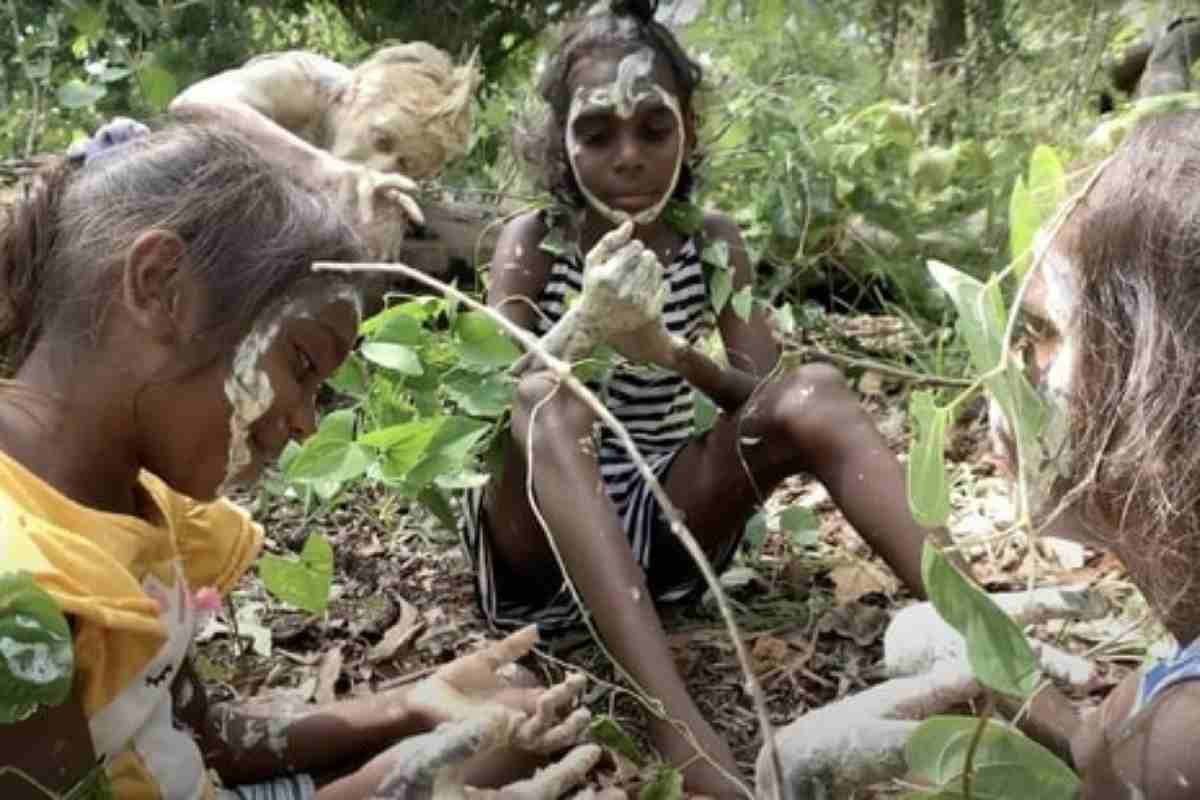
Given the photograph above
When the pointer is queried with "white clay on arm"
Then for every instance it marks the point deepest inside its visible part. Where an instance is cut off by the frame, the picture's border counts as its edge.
(287, 93)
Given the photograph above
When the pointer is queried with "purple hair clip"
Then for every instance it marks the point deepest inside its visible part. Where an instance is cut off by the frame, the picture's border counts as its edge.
(112, 134)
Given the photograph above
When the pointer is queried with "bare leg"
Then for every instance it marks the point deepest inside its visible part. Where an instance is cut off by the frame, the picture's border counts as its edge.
(585, 525)
(807, 420)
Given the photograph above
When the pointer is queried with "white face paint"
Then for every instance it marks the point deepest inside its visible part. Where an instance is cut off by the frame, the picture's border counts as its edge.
(1046, 463)
(248, 387)
(633, 85)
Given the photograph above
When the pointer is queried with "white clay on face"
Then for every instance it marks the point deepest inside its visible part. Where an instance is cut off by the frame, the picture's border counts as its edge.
(633, 85)
(248, 387)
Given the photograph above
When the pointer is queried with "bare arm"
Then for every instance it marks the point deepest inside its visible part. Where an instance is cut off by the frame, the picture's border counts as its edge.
(284, 104)
(749, 344)
(247, 744)
(1152, 754)
(519, 269)
(279, 103)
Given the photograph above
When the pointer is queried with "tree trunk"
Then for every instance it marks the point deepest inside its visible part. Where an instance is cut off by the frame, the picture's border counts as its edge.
(947, 33)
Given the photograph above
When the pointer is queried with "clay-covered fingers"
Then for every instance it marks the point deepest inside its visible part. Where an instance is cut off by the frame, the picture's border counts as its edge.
(398, 189)
(471, 669)
(546, 731)
(551, 782)
(610, 243)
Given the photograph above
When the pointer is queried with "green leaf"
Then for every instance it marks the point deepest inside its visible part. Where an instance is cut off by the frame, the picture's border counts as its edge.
(404, 436)
(608, 732)
(480, 342)
(450, 451)
(351, 378)
(799, 526)
(999, 654)
(743, 303)
(716, 254)
(785, 319)
(303, 582)
(158, 85)
(37, 662)
(928, 489)
(686, 218)
(88, 20)
(480, 396)
(398, 357)
(755, 533)
(720, 288)
(328, 459)
(435, 500)
(981, 317)
(398, 326)
(667, 785)
(338, 425)
(77, 94)
(1033, 203)
(704, 413)
(1006, 764)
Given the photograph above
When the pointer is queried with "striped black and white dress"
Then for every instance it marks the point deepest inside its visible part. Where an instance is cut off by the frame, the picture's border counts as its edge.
(655, 405)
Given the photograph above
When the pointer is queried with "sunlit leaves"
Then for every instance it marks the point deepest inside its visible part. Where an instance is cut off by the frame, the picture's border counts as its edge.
(77, 94)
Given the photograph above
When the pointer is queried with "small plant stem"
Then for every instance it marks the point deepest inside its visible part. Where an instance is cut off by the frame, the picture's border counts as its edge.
(562, 369)
(882, 368)
(968, 776)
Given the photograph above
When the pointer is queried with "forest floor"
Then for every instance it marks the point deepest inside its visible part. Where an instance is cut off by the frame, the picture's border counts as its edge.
(812, 611)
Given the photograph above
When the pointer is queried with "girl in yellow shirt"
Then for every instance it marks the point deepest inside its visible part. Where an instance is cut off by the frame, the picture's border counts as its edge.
(170, 340)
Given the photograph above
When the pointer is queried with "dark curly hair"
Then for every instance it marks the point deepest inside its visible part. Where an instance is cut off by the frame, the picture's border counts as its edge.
(626, 24)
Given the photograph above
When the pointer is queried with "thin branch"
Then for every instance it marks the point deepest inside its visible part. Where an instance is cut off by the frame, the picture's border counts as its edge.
(562, 371)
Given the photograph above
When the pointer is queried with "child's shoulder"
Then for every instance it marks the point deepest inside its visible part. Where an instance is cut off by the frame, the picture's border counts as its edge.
(719, 226)
(530, 226)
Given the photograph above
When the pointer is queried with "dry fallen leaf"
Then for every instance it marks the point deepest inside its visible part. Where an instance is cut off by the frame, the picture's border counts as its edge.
(853, 580)
(327, 677)
(769, 653)
(399, 636)
(871, 383)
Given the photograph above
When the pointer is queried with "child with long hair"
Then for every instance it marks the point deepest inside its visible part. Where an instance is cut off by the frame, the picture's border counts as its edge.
(1119, 359)
(618, 145)
(171, 338)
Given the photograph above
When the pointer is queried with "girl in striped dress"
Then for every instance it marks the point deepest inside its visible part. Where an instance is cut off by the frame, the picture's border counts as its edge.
(617, 145)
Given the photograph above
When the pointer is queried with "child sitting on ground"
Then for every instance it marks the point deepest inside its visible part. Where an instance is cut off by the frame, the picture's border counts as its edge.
(618, 145)
(172, 339)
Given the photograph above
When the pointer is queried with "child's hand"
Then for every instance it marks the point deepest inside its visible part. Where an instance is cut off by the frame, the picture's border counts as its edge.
(433, 765)
(622, 299)
(531, 719)
(369, 194)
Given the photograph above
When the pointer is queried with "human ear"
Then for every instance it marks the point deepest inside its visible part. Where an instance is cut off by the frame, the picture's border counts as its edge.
(152, 285)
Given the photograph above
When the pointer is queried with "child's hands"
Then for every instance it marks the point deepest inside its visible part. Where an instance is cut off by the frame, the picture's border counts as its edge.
(535, 720)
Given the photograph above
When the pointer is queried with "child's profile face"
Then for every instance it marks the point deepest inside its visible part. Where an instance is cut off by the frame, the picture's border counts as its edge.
(625, 136)
(234, 418)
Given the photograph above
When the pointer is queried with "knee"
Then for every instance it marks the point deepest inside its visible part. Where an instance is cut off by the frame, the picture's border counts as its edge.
(808, 406)
(548, 411)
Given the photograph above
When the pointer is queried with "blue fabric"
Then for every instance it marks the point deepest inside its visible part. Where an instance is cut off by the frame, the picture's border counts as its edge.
(1183, 666)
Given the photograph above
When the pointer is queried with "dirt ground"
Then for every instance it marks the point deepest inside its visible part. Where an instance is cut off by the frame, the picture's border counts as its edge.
(813, 616)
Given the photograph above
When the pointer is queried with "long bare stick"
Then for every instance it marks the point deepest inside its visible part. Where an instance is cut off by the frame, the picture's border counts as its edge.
(563, 371)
